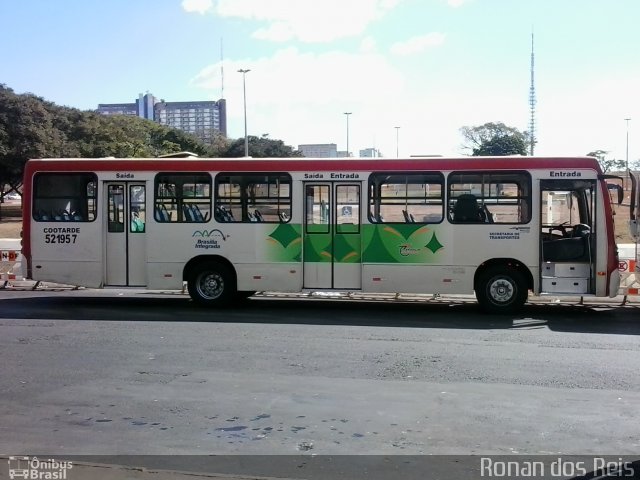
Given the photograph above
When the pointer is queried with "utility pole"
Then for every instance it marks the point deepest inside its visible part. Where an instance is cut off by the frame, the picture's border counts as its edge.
(347, 114)
(244, 89)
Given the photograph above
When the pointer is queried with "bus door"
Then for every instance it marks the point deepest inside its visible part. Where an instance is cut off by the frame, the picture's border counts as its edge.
(568, 236)
(126, 254)
(332, 236)
(634, 207)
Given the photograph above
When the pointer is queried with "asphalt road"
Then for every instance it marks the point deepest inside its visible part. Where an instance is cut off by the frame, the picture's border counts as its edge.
(135, 373)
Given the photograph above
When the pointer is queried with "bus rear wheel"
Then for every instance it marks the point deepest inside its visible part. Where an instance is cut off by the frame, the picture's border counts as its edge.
(211, 285)
(501, 289)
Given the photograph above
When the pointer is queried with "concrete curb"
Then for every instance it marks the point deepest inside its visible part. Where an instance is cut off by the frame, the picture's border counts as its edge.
(618, 301)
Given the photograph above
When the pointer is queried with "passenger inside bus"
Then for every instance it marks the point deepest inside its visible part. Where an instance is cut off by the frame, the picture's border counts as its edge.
(137, 225)
(467, 210)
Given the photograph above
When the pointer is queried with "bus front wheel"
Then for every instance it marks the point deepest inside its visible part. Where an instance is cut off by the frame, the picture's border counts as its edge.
(211, 284)
(501, 289)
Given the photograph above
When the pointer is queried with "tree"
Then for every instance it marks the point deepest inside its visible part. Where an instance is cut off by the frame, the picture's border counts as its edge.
(27, 130)
(494, 139)
(31, 127)
(218, 143)
(261, 147)
(607, 165)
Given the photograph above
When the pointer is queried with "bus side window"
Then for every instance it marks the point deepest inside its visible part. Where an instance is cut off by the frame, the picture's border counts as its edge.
(252, 197)
(490, 197)
(64, 197)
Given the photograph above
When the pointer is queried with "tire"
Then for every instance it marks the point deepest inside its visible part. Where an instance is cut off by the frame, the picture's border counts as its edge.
(501, 290)
(211, 285)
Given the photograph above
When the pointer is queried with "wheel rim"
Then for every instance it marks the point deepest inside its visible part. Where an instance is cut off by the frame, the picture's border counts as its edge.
(501, 290)
(210, 285)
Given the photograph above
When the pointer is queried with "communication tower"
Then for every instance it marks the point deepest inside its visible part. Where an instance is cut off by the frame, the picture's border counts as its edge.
(532, 105)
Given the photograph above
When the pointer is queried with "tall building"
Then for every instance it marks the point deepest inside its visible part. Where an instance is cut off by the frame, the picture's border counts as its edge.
(145, 105)
(201, 118)
(370, 153)
(117, 109)
(142, 107)
(319, 150)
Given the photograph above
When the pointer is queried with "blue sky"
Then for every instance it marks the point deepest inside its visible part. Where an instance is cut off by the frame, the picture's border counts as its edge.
(427, 66)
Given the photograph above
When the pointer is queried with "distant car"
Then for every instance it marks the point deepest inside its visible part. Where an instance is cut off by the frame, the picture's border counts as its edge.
(12, 196)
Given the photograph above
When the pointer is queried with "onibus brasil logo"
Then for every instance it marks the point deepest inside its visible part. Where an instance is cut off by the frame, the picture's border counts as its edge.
(34, 468)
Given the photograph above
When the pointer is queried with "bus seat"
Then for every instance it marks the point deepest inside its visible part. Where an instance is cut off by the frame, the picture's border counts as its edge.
(565, 249)
(188, 214)
(466, 209)
(197, 213)
(161, 213)
(219, 214)
(575, 248)
(581, 230)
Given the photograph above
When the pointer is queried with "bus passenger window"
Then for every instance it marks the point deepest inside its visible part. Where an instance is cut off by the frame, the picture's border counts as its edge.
(182, 197)
(252, 197)
(64, 197)
(406, 198)
(480, 197)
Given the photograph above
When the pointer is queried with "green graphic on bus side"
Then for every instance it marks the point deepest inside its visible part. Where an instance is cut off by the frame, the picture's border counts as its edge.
(397, 243)
(400, 243)
(284, 243)
(319, 247)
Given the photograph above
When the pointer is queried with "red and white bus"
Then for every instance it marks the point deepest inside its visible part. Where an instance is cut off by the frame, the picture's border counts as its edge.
(496, 226)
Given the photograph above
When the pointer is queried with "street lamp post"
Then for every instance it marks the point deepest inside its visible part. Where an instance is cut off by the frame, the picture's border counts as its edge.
(347, 114)
(397, 141)
(244, 91)
(627, 157)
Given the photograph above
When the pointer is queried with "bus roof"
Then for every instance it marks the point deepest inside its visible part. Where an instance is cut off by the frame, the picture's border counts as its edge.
(301, 164)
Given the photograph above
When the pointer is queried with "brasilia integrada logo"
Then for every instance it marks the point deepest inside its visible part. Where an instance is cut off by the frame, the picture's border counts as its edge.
(210, 238)
(214, 233)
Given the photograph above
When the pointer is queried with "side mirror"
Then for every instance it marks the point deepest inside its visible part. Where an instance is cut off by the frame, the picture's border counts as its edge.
(619, 190)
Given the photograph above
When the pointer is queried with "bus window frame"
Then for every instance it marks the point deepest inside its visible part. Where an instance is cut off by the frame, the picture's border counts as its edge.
(89, 201)
(426, 173)
(222, 204)
(527, 197)
(160, 202)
